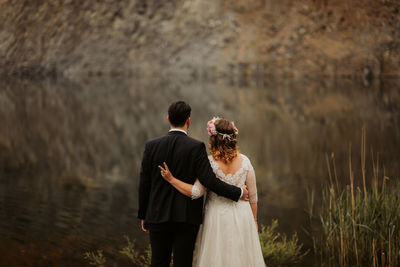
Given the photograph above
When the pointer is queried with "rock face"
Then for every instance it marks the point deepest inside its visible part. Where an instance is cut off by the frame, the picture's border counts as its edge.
(139, 37)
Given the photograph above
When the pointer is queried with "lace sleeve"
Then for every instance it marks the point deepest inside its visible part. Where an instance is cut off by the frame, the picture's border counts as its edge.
(198, 189)
(251, 184)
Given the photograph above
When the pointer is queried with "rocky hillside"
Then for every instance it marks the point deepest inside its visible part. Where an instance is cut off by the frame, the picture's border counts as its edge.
(139, 37)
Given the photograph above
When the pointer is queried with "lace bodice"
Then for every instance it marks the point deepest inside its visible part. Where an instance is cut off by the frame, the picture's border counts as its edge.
(244, 175)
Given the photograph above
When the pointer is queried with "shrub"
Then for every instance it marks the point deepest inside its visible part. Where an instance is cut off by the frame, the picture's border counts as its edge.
(138, 258)
(95, 258)
(277, 249)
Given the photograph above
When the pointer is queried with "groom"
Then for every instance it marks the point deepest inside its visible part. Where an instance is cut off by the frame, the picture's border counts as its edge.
(171, 218)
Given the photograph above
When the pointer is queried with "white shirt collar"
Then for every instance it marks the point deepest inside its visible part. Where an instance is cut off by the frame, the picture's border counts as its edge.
(177, 130)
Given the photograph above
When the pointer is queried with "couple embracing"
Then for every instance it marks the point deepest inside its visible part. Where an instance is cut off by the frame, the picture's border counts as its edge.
(175, 174)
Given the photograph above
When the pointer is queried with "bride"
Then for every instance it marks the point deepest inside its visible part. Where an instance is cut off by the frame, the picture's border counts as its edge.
(228, 236)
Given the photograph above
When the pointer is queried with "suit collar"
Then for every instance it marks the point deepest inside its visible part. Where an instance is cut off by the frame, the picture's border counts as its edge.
(177, 131)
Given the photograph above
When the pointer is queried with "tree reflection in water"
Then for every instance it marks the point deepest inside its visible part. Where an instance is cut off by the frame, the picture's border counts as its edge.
(70, 152)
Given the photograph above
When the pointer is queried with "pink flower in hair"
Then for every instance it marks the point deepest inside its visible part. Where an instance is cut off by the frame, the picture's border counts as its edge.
(211, 130)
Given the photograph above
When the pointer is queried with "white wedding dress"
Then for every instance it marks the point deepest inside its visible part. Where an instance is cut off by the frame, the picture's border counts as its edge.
(228, 236)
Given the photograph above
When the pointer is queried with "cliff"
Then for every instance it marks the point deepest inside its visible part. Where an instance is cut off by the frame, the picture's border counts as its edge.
(135, 38)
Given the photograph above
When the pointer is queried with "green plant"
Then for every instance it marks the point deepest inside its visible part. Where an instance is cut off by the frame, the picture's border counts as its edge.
(277, 249)
(95, 258)
(137, 257)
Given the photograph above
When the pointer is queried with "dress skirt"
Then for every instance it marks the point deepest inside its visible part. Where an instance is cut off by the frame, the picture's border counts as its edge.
(228, 236)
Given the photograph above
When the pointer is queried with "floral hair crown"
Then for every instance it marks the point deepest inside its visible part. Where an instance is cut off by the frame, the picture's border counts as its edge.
(212, 130)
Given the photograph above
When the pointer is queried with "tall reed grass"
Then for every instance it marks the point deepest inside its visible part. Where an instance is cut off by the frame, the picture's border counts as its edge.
(360, 221)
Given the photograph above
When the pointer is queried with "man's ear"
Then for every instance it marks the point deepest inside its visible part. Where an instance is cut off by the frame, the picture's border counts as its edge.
(168, 119)
(188, 121)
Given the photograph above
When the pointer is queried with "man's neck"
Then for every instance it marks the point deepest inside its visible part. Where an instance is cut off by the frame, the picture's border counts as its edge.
(184, 128)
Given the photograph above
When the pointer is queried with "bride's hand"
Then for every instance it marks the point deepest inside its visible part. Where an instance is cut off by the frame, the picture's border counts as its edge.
(165, 173)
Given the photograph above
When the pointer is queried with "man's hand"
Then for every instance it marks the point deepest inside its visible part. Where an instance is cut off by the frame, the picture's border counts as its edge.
(145, 226)
(245, 195)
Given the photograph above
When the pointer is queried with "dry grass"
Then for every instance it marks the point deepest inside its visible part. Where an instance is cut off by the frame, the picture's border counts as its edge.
(360, 224)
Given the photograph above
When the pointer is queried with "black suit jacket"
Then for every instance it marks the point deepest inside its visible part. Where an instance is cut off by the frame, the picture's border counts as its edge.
(187, 160)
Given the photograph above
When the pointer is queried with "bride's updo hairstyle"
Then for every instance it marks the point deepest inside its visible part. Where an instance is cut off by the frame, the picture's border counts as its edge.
(223, 141)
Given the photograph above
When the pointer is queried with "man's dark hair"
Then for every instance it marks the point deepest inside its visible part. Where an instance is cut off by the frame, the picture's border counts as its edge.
(178, 113)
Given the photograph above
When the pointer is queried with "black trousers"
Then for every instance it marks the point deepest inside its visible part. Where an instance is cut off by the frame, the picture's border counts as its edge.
(178, 238)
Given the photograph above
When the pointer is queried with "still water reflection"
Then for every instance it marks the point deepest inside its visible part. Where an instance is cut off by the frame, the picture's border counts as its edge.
(70, 152)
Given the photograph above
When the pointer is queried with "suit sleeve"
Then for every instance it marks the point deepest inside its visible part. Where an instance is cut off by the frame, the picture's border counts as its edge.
(144, 185)
(207, 177)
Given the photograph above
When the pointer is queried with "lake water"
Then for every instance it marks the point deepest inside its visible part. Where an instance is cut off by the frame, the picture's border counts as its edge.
(70, 151)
